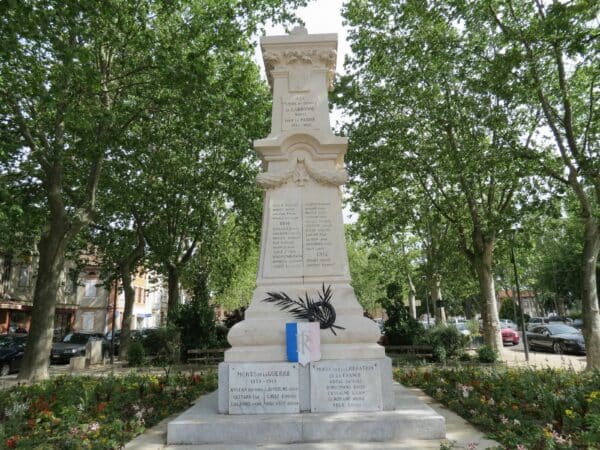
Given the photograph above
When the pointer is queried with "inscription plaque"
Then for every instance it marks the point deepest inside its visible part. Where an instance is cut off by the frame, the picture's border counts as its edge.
(343, 386)
(286, 237)
(299, 112)
(263, 388)
(318, 237)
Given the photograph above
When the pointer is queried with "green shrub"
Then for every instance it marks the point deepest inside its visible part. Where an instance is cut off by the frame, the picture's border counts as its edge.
(196, 320)
(439, 354)
(136, 353)
(448, 338)
(399, 328)
(487, 354)
(465, 357)
(163, 344)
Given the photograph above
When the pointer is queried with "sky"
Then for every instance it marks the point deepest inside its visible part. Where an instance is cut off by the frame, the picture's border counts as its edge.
(321, 16)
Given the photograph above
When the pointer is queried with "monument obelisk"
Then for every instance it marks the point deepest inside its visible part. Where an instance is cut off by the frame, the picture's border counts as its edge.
(264, 396)
(302, 241)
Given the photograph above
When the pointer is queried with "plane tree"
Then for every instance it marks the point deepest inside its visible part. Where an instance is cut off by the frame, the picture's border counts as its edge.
(75, 77)
(422, 116)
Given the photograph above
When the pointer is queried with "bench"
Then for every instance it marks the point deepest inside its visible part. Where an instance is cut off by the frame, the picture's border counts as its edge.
(206, 356)
(420, 350)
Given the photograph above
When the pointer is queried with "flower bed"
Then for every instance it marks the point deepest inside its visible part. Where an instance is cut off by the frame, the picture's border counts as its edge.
(101, 413)
(520, 408)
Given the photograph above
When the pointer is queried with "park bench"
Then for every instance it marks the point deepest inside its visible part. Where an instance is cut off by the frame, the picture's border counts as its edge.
(417, 350)
(206, 356)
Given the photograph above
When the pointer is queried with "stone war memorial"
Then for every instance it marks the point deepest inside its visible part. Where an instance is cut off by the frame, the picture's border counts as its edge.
(304, 366)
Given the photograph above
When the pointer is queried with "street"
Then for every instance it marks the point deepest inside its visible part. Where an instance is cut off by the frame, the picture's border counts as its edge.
(515, 356)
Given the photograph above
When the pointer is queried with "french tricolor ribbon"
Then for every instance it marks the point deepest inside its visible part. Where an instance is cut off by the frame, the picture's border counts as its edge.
(303, 342)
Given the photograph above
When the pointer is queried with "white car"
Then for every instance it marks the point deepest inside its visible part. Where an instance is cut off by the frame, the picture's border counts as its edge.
(462, 327)
(507, 323)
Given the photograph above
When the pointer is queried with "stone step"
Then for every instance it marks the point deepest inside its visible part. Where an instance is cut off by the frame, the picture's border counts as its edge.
(203, 425)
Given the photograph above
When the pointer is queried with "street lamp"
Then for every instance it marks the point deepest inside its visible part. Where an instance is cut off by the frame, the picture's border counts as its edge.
(522, 317)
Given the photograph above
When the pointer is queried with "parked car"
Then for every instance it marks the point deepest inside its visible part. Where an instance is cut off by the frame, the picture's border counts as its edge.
(510, 336)
(560, 319)
(556, 337)
(536, 322)
(12, 348)
(134, 334)
(577, 323)
(507, 323)
(73, 344)
(462, 327)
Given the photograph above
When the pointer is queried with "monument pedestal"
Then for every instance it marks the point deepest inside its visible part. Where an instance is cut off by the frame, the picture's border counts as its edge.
(411, 419)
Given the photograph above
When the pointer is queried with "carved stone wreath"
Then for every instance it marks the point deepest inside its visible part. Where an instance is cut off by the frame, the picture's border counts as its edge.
(300, 174)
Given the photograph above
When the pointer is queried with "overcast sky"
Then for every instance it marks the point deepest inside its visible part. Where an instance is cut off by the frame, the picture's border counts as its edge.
(322, 16)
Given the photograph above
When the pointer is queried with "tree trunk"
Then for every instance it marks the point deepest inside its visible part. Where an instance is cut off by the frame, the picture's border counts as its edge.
(173, 286)
(436, 296)
(34, 366)
(127, 310)
(487, 290)
(412, 295)
(591, 312)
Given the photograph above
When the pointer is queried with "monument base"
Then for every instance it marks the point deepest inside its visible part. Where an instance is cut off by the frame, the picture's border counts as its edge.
(375, 389)
(410, 420)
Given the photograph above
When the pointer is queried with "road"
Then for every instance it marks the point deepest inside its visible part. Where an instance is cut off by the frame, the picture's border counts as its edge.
(515, 356)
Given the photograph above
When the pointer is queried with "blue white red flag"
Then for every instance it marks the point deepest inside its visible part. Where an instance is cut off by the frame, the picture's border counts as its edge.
(303, 342)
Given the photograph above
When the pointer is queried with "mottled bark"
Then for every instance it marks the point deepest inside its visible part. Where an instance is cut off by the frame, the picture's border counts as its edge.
(173, 290)
(591, 310)
(436, 296)
(491, 325)
(129, 294)
(52, 245)
(412, 295)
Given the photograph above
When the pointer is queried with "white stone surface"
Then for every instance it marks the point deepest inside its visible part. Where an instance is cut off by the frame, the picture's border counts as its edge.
(302, 241)
(341, 385)
(263, 388)
(77, 363)
(412, 419)
(93, 352)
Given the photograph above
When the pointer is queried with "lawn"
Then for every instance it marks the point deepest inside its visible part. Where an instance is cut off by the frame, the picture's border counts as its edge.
(520, 408)
(74, 412)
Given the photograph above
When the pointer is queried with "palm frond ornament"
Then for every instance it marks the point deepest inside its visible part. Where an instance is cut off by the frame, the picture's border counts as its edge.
(321, 311)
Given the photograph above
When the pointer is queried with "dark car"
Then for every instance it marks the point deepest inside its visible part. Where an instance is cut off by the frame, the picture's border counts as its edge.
(556, 337)
(73, 344)
(133, 335)
(11, 352)
(560, 319)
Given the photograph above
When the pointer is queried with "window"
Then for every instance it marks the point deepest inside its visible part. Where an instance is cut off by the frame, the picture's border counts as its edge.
(23, 275)
(90, 288)
(88, 321)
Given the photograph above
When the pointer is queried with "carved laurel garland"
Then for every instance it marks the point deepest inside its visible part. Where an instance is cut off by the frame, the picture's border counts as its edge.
(270, 180)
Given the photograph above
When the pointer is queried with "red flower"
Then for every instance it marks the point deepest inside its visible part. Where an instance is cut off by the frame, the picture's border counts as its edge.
(196, 378)
(102, 406)
(12, 441)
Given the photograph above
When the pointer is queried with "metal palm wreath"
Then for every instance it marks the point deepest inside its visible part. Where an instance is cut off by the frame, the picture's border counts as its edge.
(321, 311)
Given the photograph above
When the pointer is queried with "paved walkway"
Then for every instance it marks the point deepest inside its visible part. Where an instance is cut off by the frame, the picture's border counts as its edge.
(515, 357)
(460, 433)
